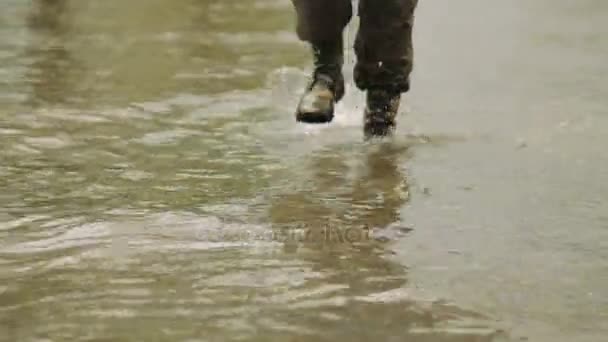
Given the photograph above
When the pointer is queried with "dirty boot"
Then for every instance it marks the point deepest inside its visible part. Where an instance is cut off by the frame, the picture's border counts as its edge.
(381, 112)
(326, 87)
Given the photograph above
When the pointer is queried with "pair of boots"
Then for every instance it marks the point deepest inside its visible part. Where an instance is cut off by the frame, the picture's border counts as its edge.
(327, 88)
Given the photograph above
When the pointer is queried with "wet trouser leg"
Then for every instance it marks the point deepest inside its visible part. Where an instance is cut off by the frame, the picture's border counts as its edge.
(384, 44)
(322, 21)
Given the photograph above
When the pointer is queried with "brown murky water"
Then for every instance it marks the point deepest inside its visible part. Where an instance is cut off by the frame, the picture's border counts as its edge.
(155, 187)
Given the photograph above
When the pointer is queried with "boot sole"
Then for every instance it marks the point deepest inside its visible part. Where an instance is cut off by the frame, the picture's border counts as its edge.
(314, 118)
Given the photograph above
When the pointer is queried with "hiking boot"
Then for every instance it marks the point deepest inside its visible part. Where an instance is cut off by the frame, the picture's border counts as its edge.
(326, 87)
(381, 112)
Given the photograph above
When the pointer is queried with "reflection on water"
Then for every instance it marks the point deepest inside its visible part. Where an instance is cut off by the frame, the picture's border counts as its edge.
(154, 185)
(337, 203)
(53, 70)
(346, 212)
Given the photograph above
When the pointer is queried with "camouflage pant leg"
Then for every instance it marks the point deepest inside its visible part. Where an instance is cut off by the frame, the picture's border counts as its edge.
(322, 21)
(384, 44)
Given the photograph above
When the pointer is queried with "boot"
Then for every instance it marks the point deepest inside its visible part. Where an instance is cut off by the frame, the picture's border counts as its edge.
(381, 112)
(326, 87)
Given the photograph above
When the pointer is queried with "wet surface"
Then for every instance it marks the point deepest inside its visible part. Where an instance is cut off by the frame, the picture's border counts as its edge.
(154, 184)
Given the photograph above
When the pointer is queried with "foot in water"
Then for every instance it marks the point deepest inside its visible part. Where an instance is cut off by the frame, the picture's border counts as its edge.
(317, 104)
(327, 85)
(380, 112)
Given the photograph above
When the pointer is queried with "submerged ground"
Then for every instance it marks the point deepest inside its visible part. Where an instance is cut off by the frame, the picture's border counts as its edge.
(155, 187)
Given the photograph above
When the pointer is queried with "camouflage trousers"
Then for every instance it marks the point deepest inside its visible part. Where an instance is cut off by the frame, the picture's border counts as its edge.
(383, 45)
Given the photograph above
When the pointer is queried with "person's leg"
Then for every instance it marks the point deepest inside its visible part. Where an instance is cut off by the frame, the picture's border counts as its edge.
(321, 23)
(384, 58)
(322, 20)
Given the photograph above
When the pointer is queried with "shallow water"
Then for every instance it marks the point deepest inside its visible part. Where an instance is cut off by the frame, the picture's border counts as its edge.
(154, 185)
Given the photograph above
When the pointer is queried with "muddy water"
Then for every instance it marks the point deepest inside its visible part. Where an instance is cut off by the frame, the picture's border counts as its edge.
(154, 185)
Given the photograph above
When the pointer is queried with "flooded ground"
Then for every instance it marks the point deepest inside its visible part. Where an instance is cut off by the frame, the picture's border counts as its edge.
(155, 187)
